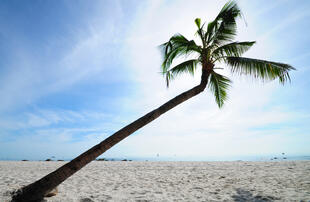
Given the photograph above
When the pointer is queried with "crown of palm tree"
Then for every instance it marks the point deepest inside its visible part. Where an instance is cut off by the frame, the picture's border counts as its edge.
(217, 45)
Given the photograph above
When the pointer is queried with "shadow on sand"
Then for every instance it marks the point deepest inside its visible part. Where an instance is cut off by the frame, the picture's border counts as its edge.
(246, 196)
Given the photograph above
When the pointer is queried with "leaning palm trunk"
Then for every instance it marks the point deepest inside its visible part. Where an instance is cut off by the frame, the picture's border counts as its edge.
(37, 190)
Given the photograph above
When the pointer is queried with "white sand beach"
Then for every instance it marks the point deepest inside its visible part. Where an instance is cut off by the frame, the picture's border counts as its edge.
(168, 181)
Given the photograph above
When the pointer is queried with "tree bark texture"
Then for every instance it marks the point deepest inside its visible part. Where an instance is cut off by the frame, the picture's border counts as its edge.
(37, 190)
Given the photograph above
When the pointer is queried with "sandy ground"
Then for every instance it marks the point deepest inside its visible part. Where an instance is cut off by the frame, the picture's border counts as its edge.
(168, 181)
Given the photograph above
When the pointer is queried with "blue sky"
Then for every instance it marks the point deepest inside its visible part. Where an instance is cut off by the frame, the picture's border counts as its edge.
(72, 73)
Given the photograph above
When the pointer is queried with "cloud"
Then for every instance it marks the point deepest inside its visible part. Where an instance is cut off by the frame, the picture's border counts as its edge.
(44, 144)
(48, 118)
(62, 133)
(85, 54)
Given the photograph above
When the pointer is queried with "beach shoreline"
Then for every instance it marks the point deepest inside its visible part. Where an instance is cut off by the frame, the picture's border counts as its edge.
(167, 181)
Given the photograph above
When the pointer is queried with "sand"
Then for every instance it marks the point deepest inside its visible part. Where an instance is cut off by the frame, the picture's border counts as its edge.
(168, 181)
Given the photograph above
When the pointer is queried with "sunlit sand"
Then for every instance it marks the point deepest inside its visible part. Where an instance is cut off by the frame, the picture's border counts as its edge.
(168, 181)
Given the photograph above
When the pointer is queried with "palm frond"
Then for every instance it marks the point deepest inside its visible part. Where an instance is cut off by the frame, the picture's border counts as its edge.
(200, 31)
(219, 84)
(230, 9)
(177, 46)
(225, 33)
(169, 77)
(223, 29)
(197, 22)
(235, 49)
(184, 67)
(265, 70)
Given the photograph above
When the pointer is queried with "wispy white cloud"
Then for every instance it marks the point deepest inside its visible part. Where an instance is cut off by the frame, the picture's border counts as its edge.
(288, 22)
(52, 142)
(42, 118)
(90, 55)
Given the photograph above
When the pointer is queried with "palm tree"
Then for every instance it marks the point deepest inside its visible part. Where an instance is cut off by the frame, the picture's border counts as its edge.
(216, 46)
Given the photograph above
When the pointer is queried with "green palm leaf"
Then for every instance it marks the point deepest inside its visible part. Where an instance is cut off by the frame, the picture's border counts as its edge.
(235, 49)
(223, 28)
(225, 33)
(184, 67)
(219, 84)
(177, 46)
(262, 69)
(197, 22)
(200, 31)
